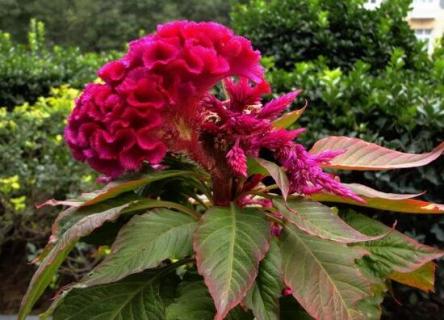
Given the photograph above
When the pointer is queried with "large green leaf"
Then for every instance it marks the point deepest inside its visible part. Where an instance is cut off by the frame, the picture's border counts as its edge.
(59, 252)
(263, 297)
(323, 275)
(319, 220)
(194, 302)
(382, 200)
(229, 244)
(143, 243)
(141, 296)
(362, 155)
(395, 252)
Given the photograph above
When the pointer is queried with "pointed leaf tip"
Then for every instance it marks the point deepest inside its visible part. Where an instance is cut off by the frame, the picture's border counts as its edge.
(381, 200)
(362, 155)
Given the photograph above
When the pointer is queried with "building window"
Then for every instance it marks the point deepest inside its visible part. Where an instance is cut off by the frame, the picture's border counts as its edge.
(424, 35)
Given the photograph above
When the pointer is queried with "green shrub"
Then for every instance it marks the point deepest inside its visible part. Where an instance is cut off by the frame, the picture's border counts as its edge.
(29, 71)
(103, 24)
(35, 165)
(341, 31)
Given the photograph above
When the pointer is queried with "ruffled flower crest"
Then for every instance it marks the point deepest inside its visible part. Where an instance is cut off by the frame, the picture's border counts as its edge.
(157, 99)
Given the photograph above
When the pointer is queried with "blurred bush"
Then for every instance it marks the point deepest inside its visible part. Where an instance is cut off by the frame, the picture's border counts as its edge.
(29, 71)
(36, 166)
(103, 24)
(343, 32)
(363, 74)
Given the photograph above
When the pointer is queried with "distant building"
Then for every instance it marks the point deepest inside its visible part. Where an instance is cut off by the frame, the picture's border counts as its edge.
(426, 18)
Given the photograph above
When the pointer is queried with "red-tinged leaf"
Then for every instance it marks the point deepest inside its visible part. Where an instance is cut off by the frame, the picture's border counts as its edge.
(395, 252)
(384, 201)
(55, 203)
(116, 188)
(361, 155)
(422, 278)
(323, 275)
(319, 220)
(229, 244)
(288, 118)
(278, 174)
(44, 274)
(368, 192)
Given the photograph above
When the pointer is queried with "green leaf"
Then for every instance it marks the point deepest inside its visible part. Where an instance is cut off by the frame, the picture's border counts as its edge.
(394, 253)
(319, 220)
(278, 174)
(323, 275)
(288, 118)
(115, 188)
(229, 244)
(194, 302)
(59, 252)
(263, 297)
(362, 155)
(143, 243)
(141, 296)
(381, 200)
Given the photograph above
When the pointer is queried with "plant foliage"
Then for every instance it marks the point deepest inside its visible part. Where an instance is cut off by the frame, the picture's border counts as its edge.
(222, 219)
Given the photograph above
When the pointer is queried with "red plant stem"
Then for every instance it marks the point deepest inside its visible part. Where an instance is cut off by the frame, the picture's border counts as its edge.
(222, 190)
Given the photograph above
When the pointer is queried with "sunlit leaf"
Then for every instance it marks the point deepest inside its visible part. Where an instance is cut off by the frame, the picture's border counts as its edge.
(288, 118)
(319, 220)
(229, 244)
(323, 276)
(361, 155)
(422, 278)
(384, 201)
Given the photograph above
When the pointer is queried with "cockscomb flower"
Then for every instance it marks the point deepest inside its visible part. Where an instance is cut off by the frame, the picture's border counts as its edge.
(157, 98)
(151, 97)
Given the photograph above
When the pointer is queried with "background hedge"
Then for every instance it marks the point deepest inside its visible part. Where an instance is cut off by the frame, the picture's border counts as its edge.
(28, 71)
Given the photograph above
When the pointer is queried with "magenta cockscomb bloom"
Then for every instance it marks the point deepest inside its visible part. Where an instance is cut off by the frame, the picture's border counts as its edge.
(111, 137)
(157, 98)
(150, 100)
